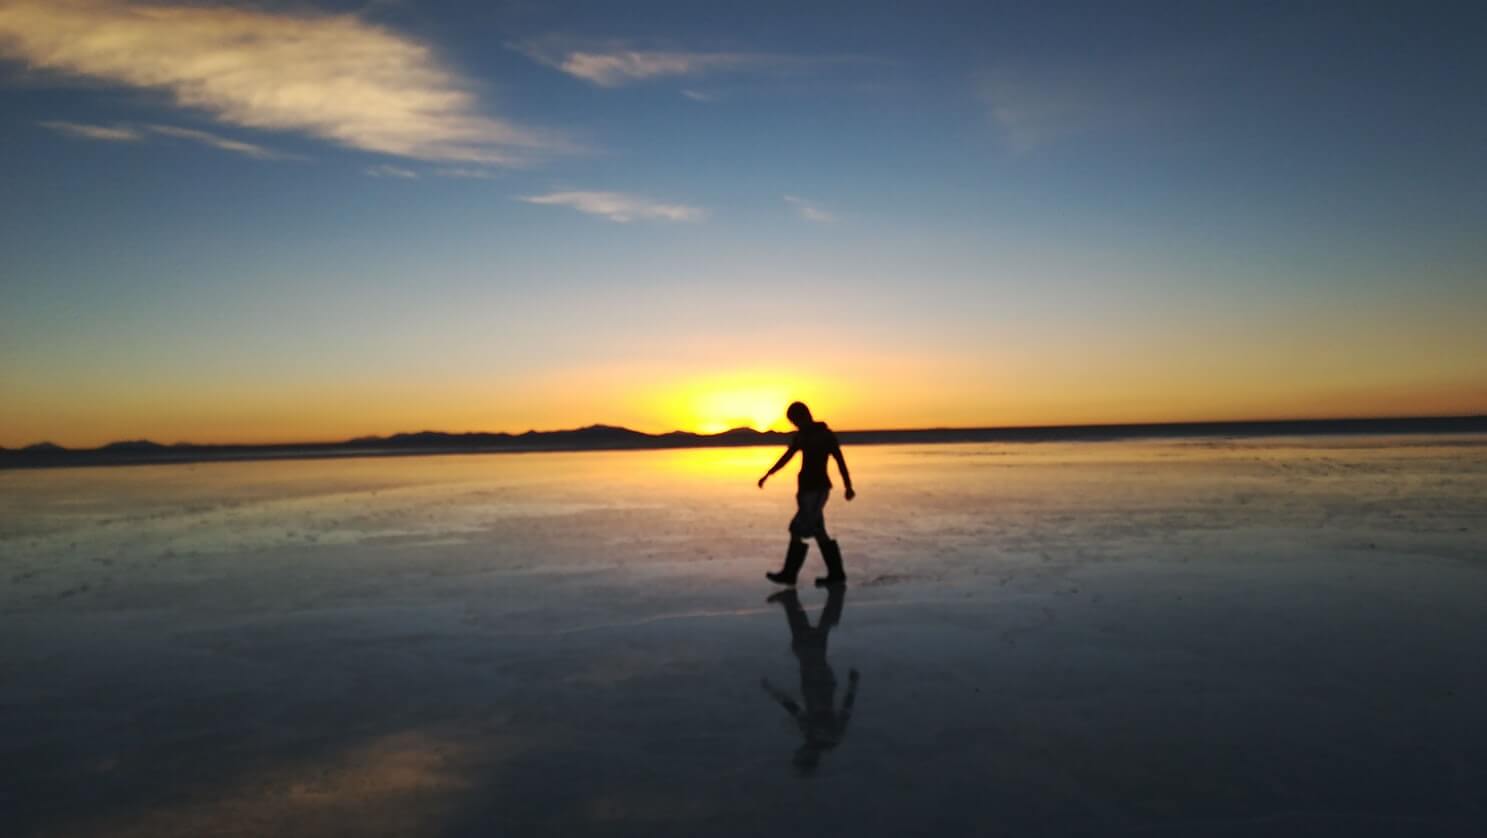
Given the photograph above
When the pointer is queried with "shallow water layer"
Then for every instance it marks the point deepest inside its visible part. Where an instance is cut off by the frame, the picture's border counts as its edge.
(1216, 638)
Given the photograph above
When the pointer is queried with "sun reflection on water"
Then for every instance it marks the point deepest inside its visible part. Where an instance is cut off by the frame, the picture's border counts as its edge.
(724, 464)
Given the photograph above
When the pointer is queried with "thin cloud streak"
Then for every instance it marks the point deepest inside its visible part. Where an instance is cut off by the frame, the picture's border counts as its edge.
(617, 64)
(207, 138)
(618, 207)
(133, 134)
(809, 211)
(466, 173)
(104, 133)
(335, 77)
(386, 170)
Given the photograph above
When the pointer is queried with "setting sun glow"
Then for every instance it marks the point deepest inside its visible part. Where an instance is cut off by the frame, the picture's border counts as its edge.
(747, 400)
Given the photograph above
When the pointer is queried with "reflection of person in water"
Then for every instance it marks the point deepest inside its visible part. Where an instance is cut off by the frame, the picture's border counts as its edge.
(816, 443)
(822, 724)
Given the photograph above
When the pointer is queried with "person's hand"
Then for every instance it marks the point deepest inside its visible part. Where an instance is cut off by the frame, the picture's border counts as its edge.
(761, 481)
(851, 493)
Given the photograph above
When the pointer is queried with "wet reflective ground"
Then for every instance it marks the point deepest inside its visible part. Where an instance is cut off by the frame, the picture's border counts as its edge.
(1227, 638)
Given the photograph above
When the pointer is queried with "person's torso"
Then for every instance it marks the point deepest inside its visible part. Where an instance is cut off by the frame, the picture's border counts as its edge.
(816, 444)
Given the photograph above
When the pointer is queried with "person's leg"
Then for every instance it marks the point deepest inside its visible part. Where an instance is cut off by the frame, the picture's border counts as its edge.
(801, 527)
(831, 552)
(794, 558)
(814, 517)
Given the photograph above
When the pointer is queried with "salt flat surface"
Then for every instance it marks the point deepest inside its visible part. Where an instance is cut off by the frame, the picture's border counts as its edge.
(1279, 637)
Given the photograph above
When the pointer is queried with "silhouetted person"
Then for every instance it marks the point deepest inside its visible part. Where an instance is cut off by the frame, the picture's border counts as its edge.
(815, 442)
(822, 724)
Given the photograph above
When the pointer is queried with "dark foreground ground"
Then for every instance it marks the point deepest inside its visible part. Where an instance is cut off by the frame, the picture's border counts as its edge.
(1191, 638)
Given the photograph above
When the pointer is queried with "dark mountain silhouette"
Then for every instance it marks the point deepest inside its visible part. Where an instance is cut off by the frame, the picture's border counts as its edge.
(134, 445)
(612, 438)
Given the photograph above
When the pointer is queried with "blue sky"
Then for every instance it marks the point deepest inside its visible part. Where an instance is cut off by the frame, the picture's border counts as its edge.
(304, 220)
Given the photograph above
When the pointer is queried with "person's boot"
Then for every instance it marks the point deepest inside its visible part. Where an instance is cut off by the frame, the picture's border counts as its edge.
(794, 558)
(831, 553)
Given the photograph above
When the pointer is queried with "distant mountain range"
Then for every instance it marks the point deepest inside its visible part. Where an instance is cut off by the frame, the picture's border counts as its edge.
(611, 438)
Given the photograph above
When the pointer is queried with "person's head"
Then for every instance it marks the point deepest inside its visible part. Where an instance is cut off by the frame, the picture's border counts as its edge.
(798, 414)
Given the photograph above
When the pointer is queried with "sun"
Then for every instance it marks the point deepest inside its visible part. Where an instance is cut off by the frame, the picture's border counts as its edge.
(716, 404)
(762, 409)
(710, 403)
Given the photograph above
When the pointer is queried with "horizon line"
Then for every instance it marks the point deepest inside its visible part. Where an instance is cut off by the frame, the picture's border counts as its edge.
(372, 438)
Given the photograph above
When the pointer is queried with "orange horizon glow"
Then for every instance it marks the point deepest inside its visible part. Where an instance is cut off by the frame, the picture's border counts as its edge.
(704, 404)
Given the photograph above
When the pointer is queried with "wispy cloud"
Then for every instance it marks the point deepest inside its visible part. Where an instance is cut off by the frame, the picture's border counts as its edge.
(699, 95)
(466, 173)
(615, 66)
(105, 133)
(386, 170)
(619, 207)
(134, 134)
(1028, 116)
(1030, 109)
(809, 211)
(335, 77)
(253, 150)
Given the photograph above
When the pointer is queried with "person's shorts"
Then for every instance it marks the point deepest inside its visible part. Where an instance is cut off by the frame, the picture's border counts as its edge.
(810, 518)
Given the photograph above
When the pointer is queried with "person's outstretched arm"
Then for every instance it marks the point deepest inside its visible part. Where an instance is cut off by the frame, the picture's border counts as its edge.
(841, 466)
(780, 463)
